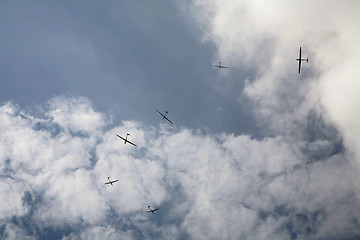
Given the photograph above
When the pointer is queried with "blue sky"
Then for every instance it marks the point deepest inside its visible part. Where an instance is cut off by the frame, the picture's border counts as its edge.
(256, 151)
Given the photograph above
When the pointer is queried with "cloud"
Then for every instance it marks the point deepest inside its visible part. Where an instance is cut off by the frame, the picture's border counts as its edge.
(12, 231)
(82, 119)
(264, 38)
(99, 233)
(297, 182)
(315, 109)
(208, 186)
(63, 164)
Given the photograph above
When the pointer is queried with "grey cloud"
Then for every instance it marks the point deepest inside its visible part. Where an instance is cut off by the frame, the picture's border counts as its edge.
(11, 231)
(128, 58)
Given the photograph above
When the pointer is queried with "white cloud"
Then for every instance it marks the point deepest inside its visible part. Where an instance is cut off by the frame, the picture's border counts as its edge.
(68, 170)
(73, 197)
(10, 202)
(82, 119)
(215, 186)
(99, 233)
(264, 37)
(207, 186)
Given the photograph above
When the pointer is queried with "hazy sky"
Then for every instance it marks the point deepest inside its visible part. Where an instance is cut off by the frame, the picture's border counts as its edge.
(256, 151)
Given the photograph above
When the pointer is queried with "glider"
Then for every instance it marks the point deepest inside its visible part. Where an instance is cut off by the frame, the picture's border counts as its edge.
(125, 139)
(164, 116)
(220, 66)
(111, 182)
(301, 59)
(152, 210)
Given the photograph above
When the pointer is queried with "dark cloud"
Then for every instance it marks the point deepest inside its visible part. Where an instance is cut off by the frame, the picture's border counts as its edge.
(130, 59)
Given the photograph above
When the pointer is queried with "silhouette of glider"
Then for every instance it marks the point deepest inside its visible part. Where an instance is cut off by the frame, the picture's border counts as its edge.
(220, 66)
(301, 59)
(152, 210)
(164, 116)
(125, 139)
(111, 182)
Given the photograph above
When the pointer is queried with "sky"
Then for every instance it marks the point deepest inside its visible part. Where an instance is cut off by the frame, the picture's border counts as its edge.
(256, 151)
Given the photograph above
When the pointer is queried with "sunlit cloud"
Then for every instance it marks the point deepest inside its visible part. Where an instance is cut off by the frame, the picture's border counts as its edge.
(298, 180)
(207, 186)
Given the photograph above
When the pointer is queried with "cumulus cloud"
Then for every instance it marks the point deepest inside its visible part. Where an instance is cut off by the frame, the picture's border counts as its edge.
(264, 37)
(298, 182)
(207, 186)
(56, 169)
(98, 233)
(82, 119)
